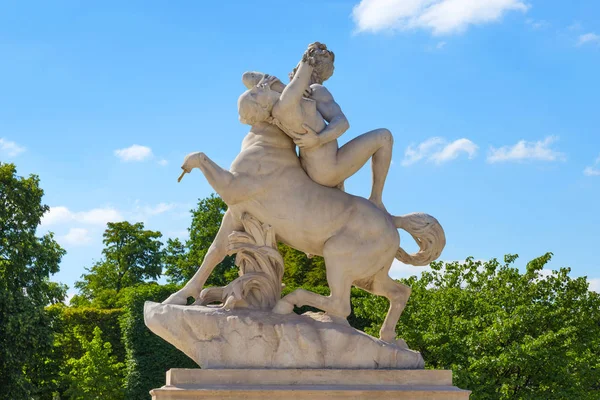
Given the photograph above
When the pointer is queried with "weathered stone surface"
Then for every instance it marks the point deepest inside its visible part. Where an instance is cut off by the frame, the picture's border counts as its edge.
(313, 384)
(297, 197)
(217, 338)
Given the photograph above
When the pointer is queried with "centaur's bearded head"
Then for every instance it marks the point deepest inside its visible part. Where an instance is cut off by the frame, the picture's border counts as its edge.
(323, 68)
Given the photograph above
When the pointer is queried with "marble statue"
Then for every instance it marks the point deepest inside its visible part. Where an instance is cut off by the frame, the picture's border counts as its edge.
(297, 196)
(287, 185)
(273, 195)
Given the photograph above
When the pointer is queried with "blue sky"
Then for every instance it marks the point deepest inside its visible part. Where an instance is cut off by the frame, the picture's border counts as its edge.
(493, 105)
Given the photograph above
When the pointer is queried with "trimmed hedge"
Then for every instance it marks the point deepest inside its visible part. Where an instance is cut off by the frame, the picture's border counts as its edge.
(85, 319)
(65, 322)
(148, 357)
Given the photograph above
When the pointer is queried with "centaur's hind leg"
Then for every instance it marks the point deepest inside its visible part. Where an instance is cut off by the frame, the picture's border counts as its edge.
(216, 253)
(397, 293)
(337, 303)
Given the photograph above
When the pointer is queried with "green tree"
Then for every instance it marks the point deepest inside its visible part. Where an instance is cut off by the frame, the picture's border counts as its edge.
(97, 374)
(300, 270)
(505, 334)
(182, 260)
(26, 262)
(131, 256)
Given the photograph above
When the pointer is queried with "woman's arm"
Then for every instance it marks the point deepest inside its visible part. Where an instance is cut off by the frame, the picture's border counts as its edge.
(293, 93)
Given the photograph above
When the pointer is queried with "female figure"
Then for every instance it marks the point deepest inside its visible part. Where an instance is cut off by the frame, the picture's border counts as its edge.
(304, 120)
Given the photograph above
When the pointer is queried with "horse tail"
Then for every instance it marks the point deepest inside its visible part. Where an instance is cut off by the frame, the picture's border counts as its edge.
(427, 232)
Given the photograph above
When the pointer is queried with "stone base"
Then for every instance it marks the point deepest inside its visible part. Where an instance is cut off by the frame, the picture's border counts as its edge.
(251, 339)
(315, 384)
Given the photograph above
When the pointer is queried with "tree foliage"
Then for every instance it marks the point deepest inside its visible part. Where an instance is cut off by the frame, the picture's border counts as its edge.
(505, 334)
(300, 270)
(131, 255)
(26, 262)
(96, 374)
(183, 259)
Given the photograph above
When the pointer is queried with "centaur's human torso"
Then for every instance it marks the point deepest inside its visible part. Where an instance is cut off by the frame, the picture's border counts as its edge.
(286, 195)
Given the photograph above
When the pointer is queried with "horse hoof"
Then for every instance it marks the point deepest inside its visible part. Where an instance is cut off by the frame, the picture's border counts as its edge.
(177, 299)
(283, 307)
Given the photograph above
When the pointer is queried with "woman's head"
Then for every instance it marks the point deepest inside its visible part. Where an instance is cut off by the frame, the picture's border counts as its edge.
(255, 105)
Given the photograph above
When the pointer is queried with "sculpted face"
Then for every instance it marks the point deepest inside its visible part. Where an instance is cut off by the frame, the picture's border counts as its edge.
(251, 78)
(255, 105)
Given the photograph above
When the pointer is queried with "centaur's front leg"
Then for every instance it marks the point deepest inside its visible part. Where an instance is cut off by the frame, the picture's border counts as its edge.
(223, 181)
(216, 253)
(232, 189)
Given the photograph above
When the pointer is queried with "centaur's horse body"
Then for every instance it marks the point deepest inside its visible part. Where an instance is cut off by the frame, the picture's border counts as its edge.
(357, 240)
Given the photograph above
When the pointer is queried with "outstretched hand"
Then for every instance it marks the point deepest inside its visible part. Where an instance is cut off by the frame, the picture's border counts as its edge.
(309, 139)
(268, 80)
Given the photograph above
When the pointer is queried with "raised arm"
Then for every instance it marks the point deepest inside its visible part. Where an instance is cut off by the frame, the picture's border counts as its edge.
(292, 94)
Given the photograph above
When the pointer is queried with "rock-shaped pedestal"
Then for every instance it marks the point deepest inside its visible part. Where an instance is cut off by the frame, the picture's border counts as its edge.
(218, 338)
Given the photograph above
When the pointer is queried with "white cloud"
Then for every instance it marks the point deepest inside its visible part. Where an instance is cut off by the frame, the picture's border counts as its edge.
(76, 237)
(594, 285)
(524, 151)
(438, 150)
(590, 38)
(57, 215)
(163, 162)
(593, 170)
(452, 150)
(134, 153)
(590, 171)
(61, 215)
(440, 45)
(412, 155)
(442, 17)
(157, 209)
(97, 216)
(537, 24)
(10, 148)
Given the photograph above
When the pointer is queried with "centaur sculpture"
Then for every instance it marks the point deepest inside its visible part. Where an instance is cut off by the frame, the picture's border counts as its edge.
(358, 238)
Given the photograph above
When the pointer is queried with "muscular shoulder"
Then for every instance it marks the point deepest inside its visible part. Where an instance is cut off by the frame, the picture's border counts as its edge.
(320, 93)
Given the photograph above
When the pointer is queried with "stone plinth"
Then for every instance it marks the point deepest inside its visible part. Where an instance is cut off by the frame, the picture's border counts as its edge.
(313, 384)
